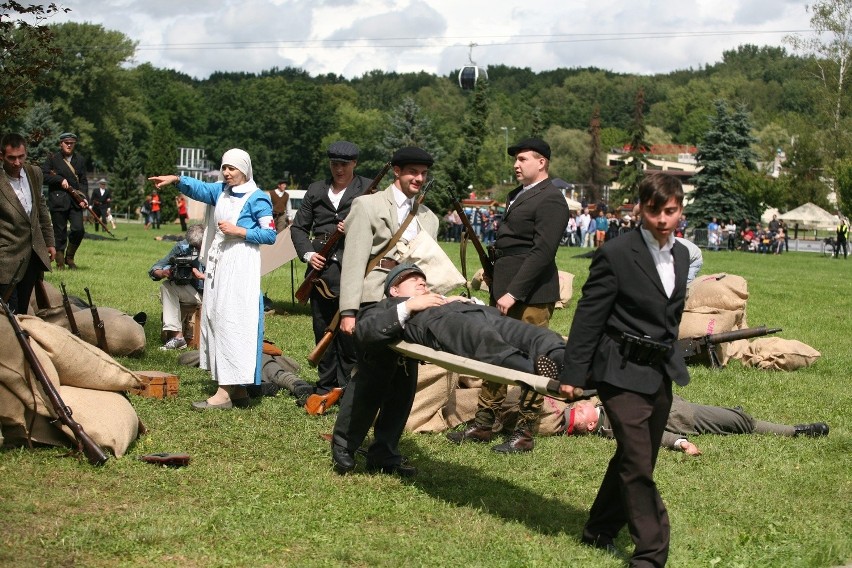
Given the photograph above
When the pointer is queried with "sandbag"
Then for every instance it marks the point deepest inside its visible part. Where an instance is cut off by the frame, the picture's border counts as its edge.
(125, 337)
(699, 322)
(461, 406)
(107, 417)
(77, 363)
(20, 427)
(434, 386)
(15, 372)
(477, 282)
(727, 292)
(779, 354)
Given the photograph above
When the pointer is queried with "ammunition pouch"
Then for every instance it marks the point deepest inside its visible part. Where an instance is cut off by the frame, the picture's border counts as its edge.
(640, 350)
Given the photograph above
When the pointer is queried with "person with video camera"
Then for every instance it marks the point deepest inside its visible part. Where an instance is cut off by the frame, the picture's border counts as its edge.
(183, 276)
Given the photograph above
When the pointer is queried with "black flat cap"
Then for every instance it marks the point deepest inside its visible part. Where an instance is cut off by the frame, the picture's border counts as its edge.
(412, 155)
(400, 273)
(66, 135)
(342, 151)
(535, 144)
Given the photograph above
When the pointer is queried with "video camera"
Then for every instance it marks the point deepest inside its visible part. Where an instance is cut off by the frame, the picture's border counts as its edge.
(182, 266)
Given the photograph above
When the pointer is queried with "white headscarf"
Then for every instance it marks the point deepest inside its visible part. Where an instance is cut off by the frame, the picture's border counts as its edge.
(240, 160)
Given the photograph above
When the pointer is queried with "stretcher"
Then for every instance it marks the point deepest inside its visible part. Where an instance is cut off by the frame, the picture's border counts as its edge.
(486, 371)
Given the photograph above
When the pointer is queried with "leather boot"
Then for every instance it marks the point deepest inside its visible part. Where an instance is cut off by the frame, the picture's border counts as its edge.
(521, 440)
(60, 260)
(472, 432)
(69, 255)
(814, 430)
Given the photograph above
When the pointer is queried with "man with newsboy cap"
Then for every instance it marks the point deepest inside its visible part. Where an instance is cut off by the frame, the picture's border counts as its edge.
(65, 172)
(382, 389)
(323, 211)
(526, 282)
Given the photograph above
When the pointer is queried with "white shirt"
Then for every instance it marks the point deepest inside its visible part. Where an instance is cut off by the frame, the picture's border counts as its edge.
(523, 190)
(22, 190)
(335, 198)
(663, 259)
(403, 206)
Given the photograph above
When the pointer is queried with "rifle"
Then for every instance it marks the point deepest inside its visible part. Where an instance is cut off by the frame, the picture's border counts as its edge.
(304, 291)
(693, 346)
(75, 195)
(85, 444)
(484, 259)
(316, 355)
(98, 323)
(69, 313)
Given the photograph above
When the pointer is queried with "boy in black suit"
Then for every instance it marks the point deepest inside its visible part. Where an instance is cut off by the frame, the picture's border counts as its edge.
(621, 343)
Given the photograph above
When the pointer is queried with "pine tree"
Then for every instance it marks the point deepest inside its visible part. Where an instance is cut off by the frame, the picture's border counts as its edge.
(162, 159)
(635, 162)
(726, 144)
(41, 132)
(595, 174)
(127, 168)
(408, 127)
(462, 171)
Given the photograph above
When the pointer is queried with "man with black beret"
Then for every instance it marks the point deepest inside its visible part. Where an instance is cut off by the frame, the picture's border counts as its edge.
(526, 282)
(382, 389)
(63, 173)
(323, 211)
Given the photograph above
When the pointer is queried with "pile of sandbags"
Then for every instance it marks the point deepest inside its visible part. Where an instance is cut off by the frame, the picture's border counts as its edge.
(88, 380)
(125, 337)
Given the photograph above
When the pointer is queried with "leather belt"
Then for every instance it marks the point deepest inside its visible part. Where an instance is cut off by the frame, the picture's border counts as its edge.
(508, 251)
(387, 263)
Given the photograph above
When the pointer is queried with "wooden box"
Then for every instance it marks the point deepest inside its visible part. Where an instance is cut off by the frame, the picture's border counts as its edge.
(157, 384)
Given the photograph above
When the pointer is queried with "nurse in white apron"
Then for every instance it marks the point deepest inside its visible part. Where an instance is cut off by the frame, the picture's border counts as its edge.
(232, 307)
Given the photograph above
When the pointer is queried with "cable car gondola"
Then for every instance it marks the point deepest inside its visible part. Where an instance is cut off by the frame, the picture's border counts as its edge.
(470, 74)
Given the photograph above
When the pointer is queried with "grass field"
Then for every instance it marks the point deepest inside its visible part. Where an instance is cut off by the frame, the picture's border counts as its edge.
(260, 490)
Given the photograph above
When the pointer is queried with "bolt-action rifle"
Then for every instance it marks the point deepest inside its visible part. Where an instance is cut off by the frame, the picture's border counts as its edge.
(69, 312)
(100, 332)
(693, 346)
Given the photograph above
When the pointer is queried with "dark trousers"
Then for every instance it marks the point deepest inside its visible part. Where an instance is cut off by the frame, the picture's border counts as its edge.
(382, 389)
(183, 219)
(336, 364)
(60, 219)
(628, 494)
(19, 299)
(100, 211)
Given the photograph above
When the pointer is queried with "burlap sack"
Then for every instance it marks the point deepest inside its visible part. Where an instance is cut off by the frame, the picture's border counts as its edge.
(19, 427)
(434, 387)
(125, 337)
(779, 354)
(566, 289)
(721, 291)
(707, 321)
(15, 372)
(77, 363)
(552, 413)
(107, 417)
(461, 405)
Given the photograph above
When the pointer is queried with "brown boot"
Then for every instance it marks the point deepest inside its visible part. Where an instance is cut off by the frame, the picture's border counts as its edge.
(472, 432)
(69, 255)
(521, 440)
(60, 260)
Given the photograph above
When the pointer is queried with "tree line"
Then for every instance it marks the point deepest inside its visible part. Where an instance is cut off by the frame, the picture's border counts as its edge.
(130, 119)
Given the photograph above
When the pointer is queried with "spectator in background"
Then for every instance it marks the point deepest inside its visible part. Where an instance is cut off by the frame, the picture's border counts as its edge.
(601, 225)
(155, 209)
(180, 201)
(145, 211)
(714, 235)
(783, 226)
(586, 228)
(280, 197)
(779, 240)
(101, 201)
(842, 237)
(730, 233)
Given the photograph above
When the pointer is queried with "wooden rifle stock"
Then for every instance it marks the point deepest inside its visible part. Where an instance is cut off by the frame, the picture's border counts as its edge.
(304, 291)
(100, 333)
(69, 313)
(484, 259)
(90, 449)
(316, 355)
(79, 200)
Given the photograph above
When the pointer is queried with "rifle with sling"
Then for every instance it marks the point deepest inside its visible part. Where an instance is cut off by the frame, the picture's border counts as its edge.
(304, 291)
(316, 355)
(69, 313)
(100, 333)
(85, 444)
(694, 346)
(484, 259)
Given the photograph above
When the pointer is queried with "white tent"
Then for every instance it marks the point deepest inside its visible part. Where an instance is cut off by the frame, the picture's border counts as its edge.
(573, 205)
(810, 216)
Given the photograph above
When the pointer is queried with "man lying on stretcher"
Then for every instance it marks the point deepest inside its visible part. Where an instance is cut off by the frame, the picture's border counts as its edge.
(455, 325)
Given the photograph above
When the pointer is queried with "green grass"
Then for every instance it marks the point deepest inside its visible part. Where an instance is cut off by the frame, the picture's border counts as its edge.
(260, 490)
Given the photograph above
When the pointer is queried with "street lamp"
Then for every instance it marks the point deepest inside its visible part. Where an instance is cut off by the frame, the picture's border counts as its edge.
(505, 130)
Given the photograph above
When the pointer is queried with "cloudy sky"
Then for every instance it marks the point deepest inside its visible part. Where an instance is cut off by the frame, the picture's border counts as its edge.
(351, 37)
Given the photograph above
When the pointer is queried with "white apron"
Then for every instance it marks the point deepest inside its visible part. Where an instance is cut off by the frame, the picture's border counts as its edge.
(231, 306)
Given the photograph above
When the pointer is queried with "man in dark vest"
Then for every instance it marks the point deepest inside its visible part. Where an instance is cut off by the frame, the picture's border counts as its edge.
(65, 172)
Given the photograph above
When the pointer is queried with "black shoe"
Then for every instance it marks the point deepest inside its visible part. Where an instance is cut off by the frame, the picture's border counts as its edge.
(472, 432)
(546, 367)
(520, 441)
(605, 544)
(403, 469)
(341, 459)
(814, 430)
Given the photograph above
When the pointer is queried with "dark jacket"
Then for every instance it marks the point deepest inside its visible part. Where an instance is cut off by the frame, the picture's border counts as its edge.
(56, 169)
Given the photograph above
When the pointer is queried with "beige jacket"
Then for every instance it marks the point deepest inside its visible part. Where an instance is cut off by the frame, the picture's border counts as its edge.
(23, 235)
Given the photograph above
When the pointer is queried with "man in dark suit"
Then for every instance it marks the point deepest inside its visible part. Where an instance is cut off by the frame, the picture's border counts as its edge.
(64, 172)
(526, 281)
(621, 343)
(26, 237)
(323, 211)
(101, 202)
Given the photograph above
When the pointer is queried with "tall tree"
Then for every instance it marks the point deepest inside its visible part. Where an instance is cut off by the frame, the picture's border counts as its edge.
(595, 172)
(843, 180)
(162, 158)
(126, 170)
(27, 51)
(41, 132)
(830, 46)
(462, 171)
(635, 162)
(726, 145)
(408, 127)
(805, 167)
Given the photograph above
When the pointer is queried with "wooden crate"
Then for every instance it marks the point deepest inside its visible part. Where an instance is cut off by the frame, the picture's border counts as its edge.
(157, 384)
